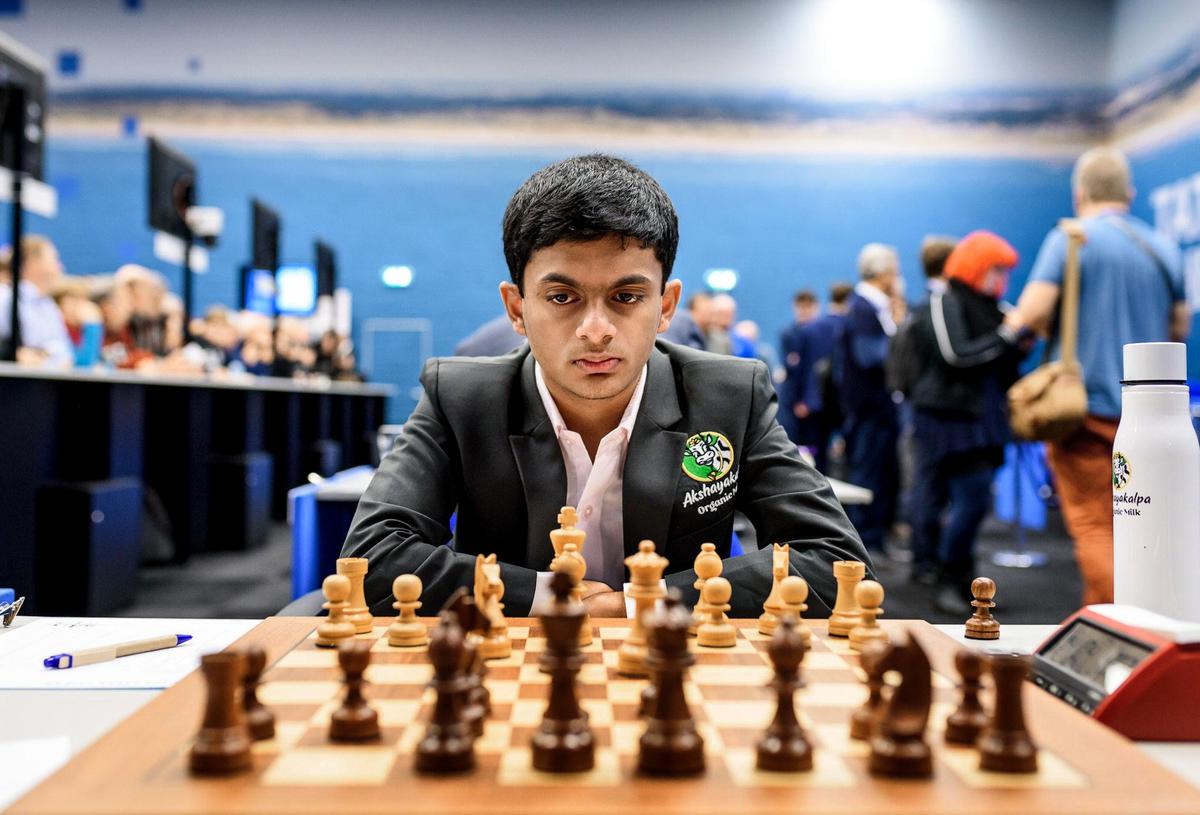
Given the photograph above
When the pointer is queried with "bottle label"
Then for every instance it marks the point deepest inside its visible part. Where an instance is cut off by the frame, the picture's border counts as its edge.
(1125, 503)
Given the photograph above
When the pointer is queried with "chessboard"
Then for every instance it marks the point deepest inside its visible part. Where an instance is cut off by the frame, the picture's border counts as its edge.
(141, 766)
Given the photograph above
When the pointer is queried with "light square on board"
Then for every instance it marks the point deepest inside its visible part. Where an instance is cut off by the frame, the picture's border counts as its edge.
(516, 770)
(340, 765)
(828, 771)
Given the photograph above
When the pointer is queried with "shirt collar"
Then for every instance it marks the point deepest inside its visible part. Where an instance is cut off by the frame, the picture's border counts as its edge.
(556, 420)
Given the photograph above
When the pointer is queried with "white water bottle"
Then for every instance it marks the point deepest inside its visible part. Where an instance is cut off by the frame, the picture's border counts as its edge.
(1156, 486)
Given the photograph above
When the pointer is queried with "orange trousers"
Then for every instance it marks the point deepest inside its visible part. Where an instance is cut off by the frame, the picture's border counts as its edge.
(1082, 465)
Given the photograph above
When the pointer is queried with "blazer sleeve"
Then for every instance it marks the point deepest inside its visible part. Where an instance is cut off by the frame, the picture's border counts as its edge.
(403, 519)
(788, 501)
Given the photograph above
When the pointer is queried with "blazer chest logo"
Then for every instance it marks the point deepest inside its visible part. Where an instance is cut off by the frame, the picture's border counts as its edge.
(707, 457)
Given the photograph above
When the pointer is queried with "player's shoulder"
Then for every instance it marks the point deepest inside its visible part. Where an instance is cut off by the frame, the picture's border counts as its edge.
(702, 371)
(470, 376)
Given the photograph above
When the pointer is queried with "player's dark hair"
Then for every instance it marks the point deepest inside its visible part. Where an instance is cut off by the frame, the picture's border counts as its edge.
(583, 199)
(804, 297)
(840, 292)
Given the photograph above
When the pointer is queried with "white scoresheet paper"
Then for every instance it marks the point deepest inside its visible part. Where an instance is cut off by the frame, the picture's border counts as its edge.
(24, 646)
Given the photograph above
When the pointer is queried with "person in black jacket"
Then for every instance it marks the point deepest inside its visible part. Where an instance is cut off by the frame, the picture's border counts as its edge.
(969, 358)
(649, 440)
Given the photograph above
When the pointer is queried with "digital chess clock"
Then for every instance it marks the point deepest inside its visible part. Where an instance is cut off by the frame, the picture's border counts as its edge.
(1133, 670)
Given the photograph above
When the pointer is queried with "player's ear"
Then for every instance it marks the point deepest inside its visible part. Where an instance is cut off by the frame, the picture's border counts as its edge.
(670, 301)
(514, 306)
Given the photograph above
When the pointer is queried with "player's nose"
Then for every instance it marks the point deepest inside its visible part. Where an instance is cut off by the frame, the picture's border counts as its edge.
(596, 328)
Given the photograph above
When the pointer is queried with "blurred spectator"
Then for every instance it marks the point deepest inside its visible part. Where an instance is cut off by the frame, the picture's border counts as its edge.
(690, 327)
(219, 334)
(327, 351)
(82, 318)
(1130, 290)
(793, 410)
(968, 360)
(721, 337)
(822, 337)
(44, 337)
(294, 356)
(934, 251)
(747, 331)
(147, 322)
(258, 347)
(871, 424)
(347, 370)
(172, 312)
(492, 339)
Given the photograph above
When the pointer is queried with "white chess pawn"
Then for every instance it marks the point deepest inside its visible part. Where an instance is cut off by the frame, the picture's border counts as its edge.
(707, 566)
(336, 628)
(869, 596)
(716, 631)
(793, 592)
(407, 631)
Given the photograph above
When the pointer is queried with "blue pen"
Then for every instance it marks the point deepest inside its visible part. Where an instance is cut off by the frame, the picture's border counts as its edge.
(104, 653)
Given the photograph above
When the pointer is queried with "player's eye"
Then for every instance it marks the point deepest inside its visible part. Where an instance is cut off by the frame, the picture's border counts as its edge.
(629, 297)
(559, 298)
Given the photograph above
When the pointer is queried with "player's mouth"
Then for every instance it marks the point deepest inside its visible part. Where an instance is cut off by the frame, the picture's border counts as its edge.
(597, 365)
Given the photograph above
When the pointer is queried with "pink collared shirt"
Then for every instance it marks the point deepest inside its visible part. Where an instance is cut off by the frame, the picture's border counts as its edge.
(594, 489)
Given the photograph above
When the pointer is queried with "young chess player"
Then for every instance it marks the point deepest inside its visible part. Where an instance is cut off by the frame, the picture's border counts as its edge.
(649, 440)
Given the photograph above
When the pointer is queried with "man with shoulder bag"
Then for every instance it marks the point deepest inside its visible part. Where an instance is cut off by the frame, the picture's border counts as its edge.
(1127, 281)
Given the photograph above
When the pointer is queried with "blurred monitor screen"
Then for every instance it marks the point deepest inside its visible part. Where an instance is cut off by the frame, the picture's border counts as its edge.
(264, 248)
(172, 188)
(326, 268)
(295, 290)
(22, 67)
(258, 291)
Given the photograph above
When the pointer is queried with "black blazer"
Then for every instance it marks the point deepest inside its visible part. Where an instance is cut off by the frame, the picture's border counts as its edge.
(479, 443)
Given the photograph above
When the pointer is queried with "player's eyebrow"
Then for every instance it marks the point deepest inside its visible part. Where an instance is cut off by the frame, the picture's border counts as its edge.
(551, 278)
(631, 280)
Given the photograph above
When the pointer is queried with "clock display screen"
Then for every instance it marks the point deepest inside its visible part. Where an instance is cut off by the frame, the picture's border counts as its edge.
(1103, 659)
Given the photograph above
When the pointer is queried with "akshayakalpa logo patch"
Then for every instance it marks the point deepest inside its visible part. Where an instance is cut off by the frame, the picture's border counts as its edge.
(1121, 471)
(707, 456)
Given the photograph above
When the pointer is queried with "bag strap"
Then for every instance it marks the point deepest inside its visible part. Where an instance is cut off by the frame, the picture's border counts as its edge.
(1069, 302)
(1158, 261)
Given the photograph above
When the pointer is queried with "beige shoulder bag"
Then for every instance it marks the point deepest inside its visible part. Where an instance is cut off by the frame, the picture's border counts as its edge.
(1050, 402)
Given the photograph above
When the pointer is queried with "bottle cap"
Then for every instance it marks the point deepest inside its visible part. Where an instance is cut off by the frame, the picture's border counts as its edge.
(1155, 362)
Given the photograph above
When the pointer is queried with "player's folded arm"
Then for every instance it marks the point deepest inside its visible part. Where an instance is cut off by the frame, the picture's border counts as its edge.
(788, 501)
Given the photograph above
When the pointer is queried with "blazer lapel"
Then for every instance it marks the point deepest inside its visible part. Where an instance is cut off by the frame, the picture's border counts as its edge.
(543, 476)
(652, 461)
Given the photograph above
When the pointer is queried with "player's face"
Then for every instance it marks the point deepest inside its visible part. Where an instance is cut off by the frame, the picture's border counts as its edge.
(591, 312)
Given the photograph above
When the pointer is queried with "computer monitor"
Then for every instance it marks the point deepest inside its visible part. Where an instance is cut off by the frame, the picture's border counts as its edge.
(295, 290)
(21, 67)
(326, 268)
(258, 290)
(172, 188)
(264, 247)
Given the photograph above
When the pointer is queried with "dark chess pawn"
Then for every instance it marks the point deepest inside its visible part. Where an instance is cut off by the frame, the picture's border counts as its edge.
(898, 748)
(564, 742)
(448, 744)
(259, 720)
(982, 625)
(968, 720)
(477, 699)
(784, 747)
(864, 720)
(670, 745)
(1005, 745)
(355, 720)
(222, 746)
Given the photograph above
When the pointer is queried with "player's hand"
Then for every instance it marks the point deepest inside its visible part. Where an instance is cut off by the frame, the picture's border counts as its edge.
(606, 604)
(591, 587)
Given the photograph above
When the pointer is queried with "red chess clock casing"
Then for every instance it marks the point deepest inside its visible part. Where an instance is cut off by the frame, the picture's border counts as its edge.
(1136, 672)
